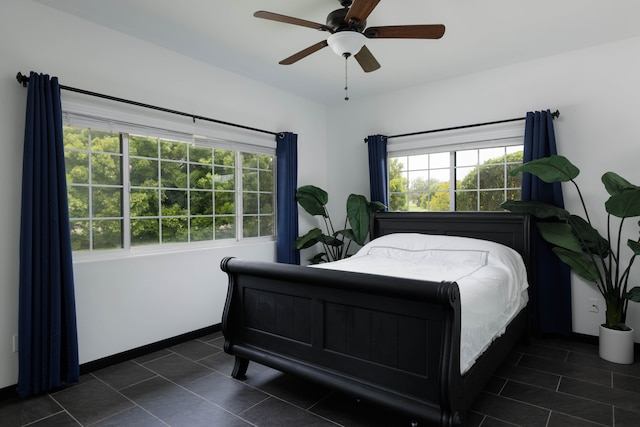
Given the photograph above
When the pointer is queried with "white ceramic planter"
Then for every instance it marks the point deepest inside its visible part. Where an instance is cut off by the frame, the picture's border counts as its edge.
(616, 346)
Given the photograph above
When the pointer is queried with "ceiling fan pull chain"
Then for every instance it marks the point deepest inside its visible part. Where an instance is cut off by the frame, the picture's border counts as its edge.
(346, 85)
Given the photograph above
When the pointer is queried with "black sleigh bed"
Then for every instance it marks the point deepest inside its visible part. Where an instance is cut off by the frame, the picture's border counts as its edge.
(391, 341)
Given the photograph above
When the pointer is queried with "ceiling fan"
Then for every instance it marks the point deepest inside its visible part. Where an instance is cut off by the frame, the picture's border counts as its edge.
(349, 33)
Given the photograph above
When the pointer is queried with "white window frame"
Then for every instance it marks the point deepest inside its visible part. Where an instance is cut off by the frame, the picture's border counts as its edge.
(83, 111)
(477, 137)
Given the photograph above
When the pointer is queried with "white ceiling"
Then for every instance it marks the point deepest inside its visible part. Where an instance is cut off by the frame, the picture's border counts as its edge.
(479, 35)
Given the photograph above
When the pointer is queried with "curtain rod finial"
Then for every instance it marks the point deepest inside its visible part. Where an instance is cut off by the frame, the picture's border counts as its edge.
(555, 114)
(22, 79)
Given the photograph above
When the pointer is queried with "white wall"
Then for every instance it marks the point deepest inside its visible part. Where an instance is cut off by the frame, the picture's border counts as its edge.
(596, 91)
(126, 303)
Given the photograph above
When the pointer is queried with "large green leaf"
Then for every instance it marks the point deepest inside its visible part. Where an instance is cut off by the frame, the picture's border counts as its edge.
(312, 199)
(633, 294)
(309, 239)
(559, 234)
(348, 233)
(589, 237)
(537, 209)
(615, 184)
(319, 258)
(634, 245)
(579, 263)
(331, 241)
(377, 206)
(359, 214)
(625, 204)
(550, 169)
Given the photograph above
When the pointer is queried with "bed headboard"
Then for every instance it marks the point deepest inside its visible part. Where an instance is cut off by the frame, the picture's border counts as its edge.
(507, 228)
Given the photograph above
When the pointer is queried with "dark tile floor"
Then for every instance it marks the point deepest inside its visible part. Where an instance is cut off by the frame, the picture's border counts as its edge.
(550, 382)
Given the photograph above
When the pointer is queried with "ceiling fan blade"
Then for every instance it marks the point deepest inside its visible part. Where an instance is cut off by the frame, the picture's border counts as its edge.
(304, 53)
(405, 32)
(360, 10)
(291, 20)
(366, 60)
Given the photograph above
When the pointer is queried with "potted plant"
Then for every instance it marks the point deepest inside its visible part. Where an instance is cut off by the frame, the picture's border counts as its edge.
(578, 244)
(335, 243)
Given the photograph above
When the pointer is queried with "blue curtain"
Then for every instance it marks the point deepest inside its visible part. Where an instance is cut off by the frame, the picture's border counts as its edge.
(287, 184)
(552, 302)
(48, 343)
(378, 171)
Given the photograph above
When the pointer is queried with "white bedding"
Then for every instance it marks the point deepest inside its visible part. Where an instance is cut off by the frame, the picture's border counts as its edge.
(492, 279)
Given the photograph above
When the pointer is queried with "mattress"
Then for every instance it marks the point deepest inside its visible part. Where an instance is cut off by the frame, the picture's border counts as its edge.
(492, 279)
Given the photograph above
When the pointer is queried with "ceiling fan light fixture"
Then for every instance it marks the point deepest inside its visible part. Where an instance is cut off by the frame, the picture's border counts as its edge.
(346, 43)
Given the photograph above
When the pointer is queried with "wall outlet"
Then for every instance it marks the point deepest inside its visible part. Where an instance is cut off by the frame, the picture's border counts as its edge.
(593, 305)
(15, 343)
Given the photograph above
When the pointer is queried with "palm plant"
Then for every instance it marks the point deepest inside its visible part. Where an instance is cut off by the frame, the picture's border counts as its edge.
(335, 244)
(578, 244)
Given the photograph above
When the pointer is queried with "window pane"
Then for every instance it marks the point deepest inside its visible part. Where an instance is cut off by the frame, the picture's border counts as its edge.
(144, 203)
(80, 235)
(250, 160)
(466, 201)
(266, 225)
(440, 201)
(487, 154)
(175, 230)
(173, 175)
(398, 184)
(201, 228)
(200, 155)
(266, 181)
(490, 199)
(250, 203)
(514, 181)
(143, 172)
(142, 146)
(107, 202)
(225, 227)
(78, 202)
(438, 176)
(250, 180)
(224, 203)
(265, 162)
(77, 138)
(467, 158)
(174, 202)
(439, 160)
(466, 178)
(224, 178)
(107, 234)
(77, 167)
(514, 194)
(492, 176)
(106, 142)
(418, 162)
(172, 150)
(200, 177)
(105, 169)
(144, 232)
(250, 226)
(266, 203)
(224, 157)
(201, 202)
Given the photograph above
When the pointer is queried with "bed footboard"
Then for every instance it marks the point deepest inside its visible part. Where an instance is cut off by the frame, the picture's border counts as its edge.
(392, 341)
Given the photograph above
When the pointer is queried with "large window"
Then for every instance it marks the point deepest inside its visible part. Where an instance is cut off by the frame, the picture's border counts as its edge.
(474, 179)
(128, 190)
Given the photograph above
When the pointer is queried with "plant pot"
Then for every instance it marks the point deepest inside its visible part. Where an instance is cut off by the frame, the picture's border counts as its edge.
(616, 346)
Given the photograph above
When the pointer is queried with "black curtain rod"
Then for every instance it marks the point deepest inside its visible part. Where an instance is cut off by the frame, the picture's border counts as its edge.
(554, 115)
(24, 80)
